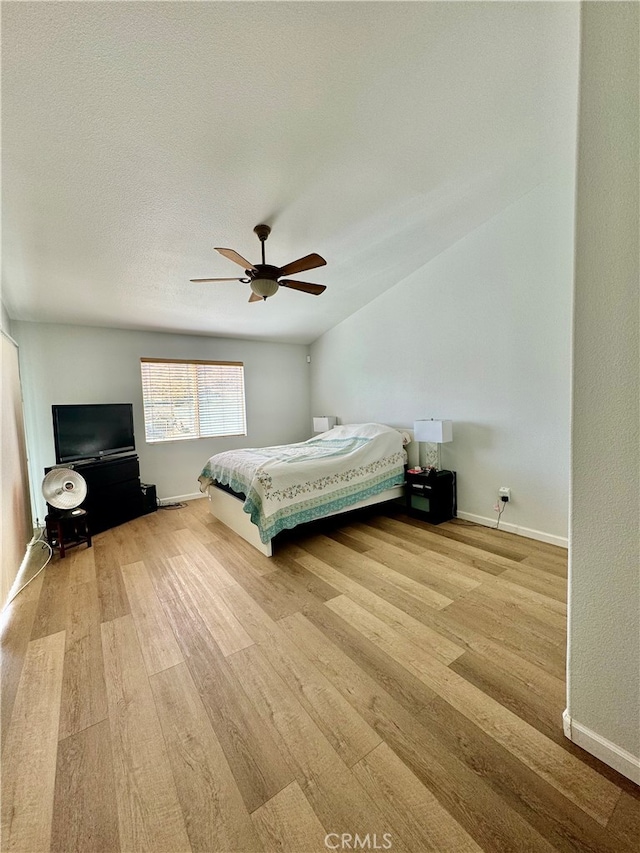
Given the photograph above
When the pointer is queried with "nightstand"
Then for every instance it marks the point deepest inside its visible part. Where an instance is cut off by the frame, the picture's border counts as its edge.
(431, 497)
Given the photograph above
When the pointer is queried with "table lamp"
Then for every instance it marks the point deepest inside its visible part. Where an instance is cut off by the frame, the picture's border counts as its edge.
(324, 423)
(435, 432)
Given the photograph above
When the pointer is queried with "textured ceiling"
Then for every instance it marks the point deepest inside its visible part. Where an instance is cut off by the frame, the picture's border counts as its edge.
(138, 136)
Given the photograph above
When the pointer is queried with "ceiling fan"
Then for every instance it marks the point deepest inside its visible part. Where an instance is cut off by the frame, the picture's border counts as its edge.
(266, 279)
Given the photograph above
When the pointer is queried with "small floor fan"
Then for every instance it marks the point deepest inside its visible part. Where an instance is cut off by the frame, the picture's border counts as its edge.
(64, 489)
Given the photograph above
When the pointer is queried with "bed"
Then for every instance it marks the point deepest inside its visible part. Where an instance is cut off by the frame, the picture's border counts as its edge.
(258, 492)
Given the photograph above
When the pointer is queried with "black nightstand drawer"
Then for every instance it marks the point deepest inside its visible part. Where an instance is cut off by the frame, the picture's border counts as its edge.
(431, 497)
(420, 488)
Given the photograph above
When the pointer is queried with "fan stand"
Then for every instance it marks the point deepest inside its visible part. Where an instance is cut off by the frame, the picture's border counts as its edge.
(67, 528)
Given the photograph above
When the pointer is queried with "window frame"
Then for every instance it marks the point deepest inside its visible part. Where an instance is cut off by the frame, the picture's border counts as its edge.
(194, 361)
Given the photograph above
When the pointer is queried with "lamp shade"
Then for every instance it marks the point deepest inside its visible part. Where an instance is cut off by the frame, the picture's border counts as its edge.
(437, 432)
(324, 423)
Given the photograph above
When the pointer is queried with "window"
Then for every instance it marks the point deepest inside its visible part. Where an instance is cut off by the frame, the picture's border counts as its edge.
(192, 399)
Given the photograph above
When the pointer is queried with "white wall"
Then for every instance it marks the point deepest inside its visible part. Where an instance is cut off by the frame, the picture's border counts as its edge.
(5, 320)
(480, 335)
(604, 585)
(15, 507)
(77, 364)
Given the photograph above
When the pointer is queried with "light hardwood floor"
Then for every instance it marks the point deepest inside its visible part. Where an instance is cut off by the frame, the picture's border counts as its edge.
(171, 689)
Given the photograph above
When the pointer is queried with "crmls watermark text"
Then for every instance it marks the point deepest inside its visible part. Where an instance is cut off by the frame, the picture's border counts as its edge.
(347, 841)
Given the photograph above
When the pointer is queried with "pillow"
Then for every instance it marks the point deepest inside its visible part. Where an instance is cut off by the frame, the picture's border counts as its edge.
(369, 429)
(406, 436)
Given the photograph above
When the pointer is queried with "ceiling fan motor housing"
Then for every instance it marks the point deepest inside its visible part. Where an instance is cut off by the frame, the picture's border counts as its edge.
(262, 231)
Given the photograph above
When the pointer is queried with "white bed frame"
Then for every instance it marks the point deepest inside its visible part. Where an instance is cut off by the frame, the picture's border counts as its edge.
(227, 508)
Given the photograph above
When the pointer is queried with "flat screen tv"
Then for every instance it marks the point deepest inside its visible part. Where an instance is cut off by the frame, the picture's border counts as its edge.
(92, 431)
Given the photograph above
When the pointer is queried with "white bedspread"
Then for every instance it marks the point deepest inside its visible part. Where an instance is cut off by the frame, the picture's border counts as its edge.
(294, 483)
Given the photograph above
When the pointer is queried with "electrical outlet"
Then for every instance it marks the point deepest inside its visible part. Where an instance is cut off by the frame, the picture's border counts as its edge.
(504, 493)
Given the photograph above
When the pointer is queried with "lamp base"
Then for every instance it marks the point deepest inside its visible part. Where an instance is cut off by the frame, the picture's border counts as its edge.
(430, 458)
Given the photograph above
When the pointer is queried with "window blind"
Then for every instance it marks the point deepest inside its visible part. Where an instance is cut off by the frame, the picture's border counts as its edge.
(192, 399)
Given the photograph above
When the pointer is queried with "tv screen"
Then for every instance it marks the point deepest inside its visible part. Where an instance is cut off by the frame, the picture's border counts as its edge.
(87, 432)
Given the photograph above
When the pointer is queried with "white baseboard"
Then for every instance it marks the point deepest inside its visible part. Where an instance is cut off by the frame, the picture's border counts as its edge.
(178, 499)
(540, 535)
(621, 760)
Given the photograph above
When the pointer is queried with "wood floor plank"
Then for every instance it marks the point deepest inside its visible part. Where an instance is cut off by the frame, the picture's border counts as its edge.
(82, 567)
(409, 691)
(553, 565)
(17, 625)
(159, 647)
(442, 574)
(125, 546)
(51, 616)
(625, 820)
(367, 581)
(520, 544)
(397, 646)
(565, 826)
(316, 686)
(431, 641)
(346, 538)
(29, 758)
(516, 690)
(530, 639)
(202, 594)
(528, 602)
(111, 592)
(195, 522)
(288, 824)
(259, 563)
(225, 628)
(301, 741)
(169, 518)
(149, 815)
(203, 559)
(250, 745)
(185, 575)
(410, 808)
(215, 814)
(328, 784)
(297, 577)
(426, 536)
(596, 796)
(509, 549)
(156, 541)
(489, 821)
(84, 697)
(345, 729)
(345, 809)
(365, 570)
(538, 580)
(85, 816)
(273, 592)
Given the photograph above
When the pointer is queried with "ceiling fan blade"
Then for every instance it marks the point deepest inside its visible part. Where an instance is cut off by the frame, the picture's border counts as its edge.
(215, 279)
(305, 286)
(309, 262)
(255, 298)
(236, 258)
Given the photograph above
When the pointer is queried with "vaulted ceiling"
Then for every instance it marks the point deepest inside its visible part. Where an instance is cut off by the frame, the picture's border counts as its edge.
(138, 136)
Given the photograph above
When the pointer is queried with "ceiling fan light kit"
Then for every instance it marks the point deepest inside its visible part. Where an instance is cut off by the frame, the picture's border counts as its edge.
(264, 287)
(265, 279)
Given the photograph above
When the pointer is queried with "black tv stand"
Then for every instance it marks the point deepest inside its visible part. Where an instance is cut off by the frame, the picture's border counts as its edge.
(114, 493)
